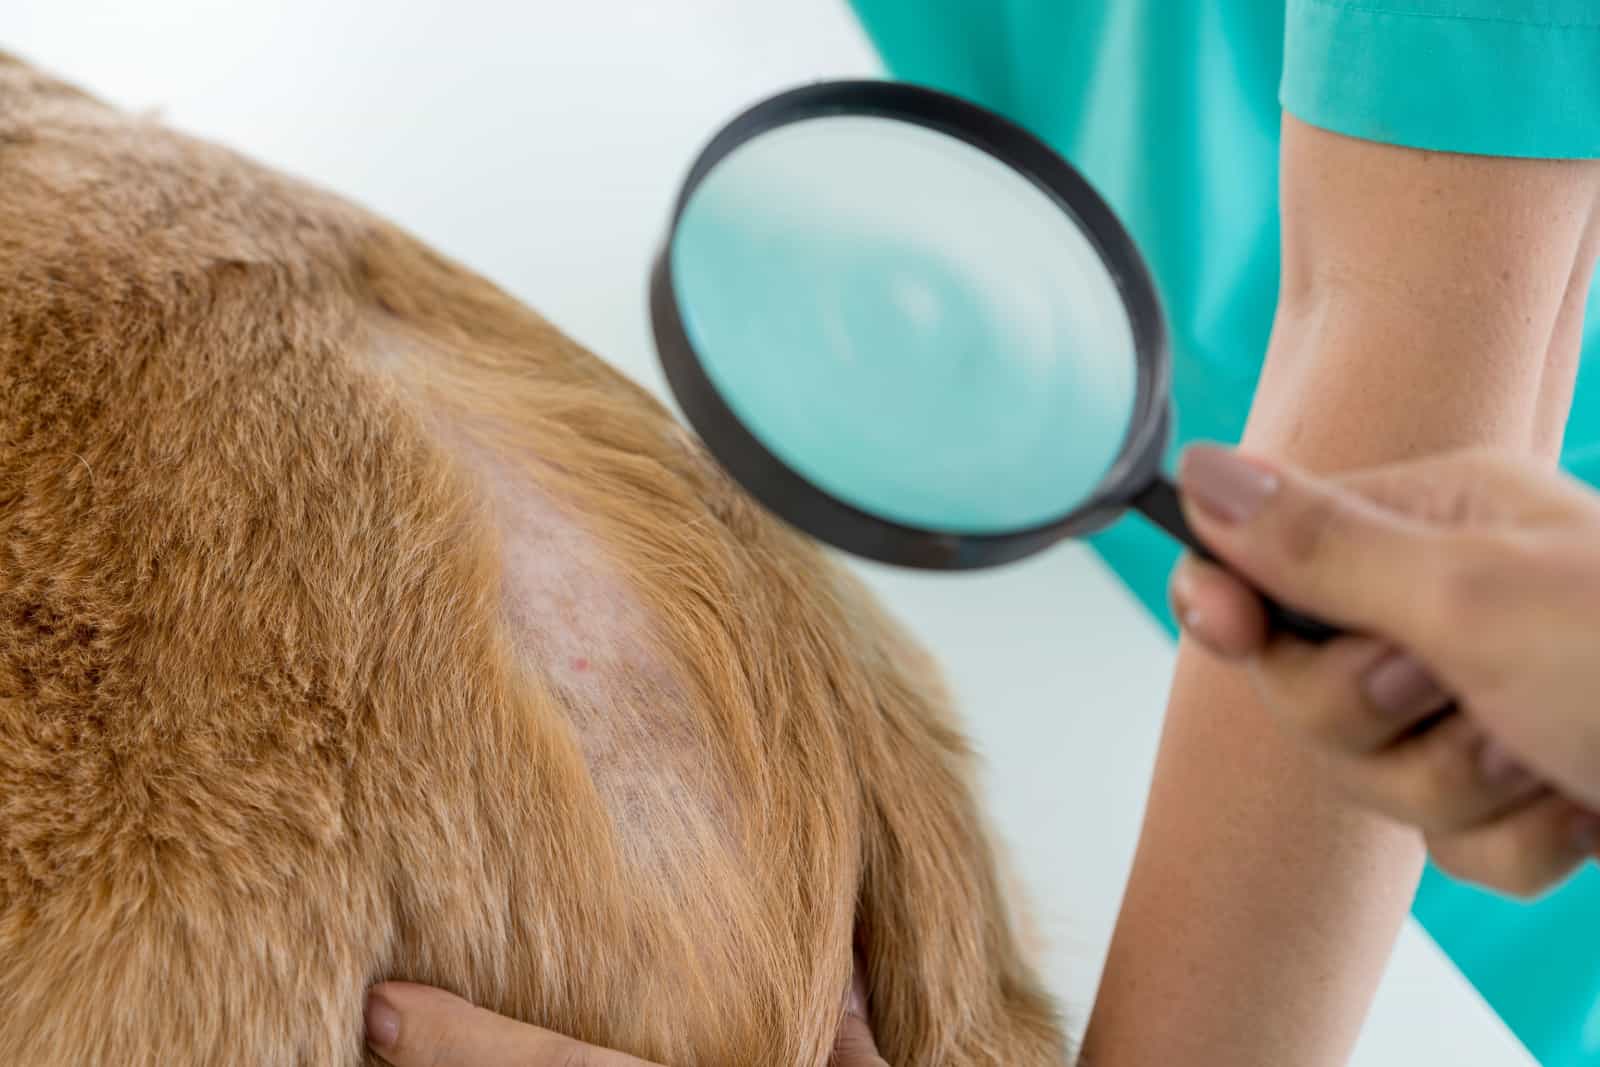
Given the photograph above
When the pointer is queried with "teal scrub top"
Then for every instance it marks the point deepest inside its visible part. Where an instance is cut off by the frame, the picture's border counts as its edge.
(1172, 109)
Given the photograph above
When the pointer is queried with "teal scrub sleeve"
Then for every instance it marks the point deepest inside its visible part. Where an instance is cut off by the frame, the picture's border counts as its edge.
(1486, 77)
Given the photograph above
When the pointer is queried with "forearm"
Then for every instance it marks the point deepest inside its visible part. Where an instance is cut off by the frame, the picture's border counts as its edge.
(1427, 303)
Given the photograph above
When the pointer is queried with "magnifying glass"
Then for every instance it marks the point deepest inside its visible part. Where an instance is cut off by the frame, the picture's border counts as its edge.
(912, 330)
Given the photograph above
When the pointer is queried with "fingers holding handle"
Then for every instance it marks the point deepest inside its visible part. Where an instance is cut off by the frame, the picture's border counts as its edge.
(1311, 543)
(1160, 504)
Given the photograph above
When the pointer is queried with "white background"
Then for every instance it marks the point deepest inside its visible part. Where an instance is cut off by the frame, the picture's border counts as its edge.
(541, 143)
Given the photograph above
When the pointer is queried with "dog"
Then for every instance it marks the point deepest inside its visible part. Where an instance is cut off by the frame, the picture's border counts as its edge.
(355, 624)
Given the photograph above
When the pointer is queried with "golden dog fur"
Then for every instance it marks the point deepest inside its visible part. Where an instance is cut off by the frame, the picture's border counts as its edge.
(355, 624)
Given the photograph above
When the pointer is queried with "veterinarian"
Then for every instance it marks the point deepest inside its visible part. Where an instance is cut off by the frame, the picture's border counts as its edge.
(1374, 225)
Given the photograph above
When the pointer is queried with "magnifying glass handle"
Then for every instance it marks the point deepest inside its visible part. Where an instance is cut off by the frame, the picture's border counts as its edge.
(1159, 503)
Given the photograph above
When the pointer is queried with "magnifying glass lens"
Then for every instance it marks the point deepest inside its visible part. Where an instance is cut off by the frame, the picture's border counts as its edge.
(911, 325)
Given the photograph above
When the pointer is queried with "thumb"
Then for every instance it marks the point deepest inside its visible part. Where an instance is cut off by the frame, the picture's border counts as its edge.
(855, 1046)
(1311, 545)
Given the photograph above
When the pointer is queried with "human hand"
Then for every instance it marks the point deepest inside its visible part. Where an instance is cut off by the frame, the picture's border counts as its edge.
(1476, 578)
(415, 1026)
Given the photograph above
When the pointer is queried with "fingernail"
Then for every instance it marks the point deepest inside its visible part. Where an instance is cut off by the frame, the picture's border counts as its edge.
(857, 1004)
(1399, 685)
(1498, 766)
(1197, 624)
(383, 1022)
(1183, 599)
(1585, 832)
(1229, 487)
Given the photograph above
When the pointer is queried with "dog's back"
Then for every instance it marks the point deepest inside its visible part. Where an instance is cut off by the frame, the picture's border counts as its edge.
(355, 624)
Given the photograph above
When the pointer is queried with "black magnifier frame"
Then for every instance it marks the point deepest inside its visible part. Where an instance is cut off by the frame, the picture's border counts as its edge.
(1134, 479)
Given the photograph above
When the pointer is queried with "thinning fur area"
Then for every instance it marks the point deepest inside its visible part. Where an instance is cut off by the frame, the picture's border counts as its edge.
(356, 624)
